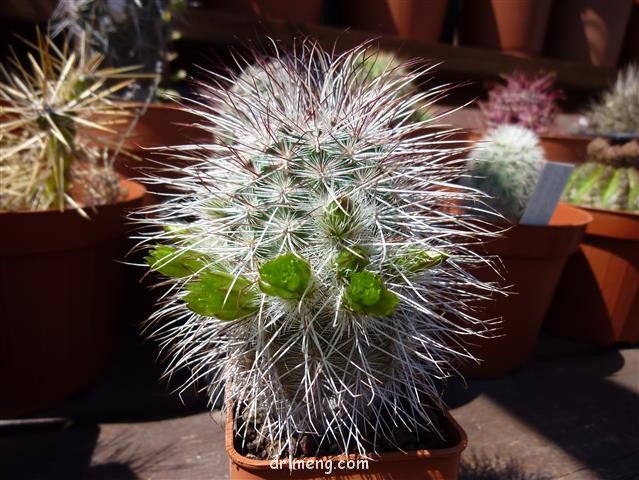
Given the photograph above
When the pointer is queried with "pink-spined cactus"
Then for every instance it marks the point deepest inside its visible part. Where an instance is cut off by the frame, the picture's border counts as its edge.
(526, 100)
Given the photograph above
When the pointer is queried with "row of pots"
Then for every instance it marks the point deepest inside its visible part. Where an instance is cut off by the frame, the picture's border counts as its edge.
(590, 31)
(577, 276)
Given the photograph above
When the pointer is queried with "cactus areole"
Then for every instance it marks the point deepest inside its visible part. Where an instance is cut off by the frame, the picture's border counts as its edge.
(315, 271)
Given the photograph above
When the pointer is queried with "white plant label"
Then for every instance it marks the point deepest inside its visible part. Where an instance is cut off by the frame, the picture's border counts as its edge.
(550, 186)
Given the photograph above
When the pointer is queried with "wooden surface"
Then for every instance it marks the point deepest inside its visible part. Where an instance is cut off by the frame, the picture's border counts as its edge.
(570, 415)
(218, 28)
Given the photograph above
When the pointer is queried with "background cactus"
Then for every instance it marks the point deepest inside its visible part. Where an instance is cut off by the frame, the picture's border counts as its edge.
(135, 32)
(525, 99)
(53, 108)
(609, 179)
(618, 109)
(506, 166)
(314, 270)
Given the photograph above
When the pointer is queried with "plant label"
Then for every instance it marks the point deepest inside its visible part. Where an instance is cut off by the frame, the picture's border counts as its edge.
(550, 186)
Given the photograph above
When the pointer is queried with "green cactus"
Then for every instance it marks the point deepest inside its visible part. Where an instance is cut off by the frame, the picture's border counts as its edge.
(609, 179)
(617, 111)
(314, 275)
(506, 166)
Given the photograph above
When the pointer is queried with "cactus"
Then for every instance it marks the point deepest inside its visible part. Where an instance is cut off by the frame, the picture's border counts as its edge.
(124, 33)
(526, 100)
(52, 153)
(617, 111)
(506, 166)
(609, 179)
(314, 273)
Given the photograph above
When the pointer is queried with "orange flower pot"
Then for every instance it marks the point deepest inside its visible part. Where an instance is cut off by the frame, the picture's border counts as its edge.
(415, 19)
(441, 464)
(597, 300)
(533, 260)
(513, 26)
(61, 289)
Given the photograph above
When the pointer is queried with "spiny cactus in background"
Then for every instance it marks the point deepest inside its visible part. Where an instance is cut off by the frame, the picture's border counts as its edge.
(609, 179)
(135, 32)
(377, 62)
(506, 165)
(315, 271)
(525, 99)
(53, 109)
(618, 109)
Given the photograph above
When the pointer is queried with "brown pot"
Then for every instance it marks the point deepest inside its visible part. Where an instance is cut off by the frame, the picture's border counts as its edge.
(517, 27)
(557, 148)
(442, 464)
(533, 259)
(161, 125)
(597, 300)
(307, 11)
(589, 31)
(415, 19)
(60, 296)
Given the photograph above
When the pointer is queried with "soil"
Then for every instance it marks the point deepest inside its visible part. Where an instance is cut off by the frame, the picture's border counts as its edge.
(258, 448)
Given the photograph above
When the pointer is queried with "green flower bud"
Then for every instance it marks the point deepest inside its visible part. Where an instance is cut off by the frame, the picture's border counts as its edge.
(417, 259)
(286, 276)
(221, 295)
(366, 294)
(350, 260)
(171, 262)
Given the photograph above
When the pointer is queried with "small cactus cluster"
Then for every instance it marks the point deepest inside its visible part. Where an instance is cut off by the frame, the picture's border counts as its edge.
(124, 33)
(618, 109)
(506, 166)
(314, 272)
(526, 100)
(53, 109)
(609, 179)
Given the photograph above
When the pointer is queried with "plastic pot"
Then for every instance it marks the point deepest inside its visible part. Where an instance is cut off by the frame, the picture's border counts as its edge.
(441, 464)
(514, 26)
(60, 296)
(597, 300)
(589, 31)
(415, 19)
(533, 260)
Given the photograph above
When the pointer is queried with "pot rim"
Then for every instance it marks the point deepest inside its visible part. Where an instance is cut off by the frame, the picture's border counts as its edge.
(387, 457)
(475, 134)
(135, 190)
(614, 224)
(544, 241)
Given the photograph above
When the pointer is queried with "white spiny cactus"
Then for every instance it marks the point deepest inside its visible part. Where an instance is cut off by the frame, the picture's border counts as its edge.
(506, 166)
(318, 252)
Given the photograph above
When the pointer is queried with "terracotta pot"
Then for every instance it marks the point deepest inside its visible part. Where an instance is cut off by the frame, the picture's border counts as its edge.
(60, 296)
(590, 31)
(161, 125)
(513, 26)
(416, 19)
(558, 148)
(307, 11)
(565, 148)
(442, 464)
(597, 300)
(533, 259)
